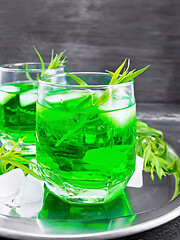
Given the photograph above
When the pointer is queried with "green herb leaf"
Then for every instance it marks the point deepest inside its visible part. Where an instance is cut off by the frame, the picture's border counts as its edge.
(77, 79)
(133, 75)
(42, 62)
(103, 98)
(56, 61)
(144, 130)
(28, 75)
(11, 159)
(116, 74)
(158, 157)
(110, 73)
(125, 77)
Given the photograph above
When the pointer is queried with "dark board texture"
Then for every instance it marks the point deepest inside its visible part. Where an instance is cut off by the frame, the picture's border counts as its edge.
(99, 35)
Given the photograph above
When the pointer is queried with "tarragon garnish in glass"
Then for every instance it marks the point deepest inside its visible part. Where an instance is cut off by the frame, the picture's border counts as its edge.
(55, 62)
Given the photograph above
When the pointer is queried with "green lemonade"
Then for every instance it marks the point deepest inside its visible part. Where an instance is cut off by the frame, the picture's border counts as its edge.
(83, 149)
(18, 111)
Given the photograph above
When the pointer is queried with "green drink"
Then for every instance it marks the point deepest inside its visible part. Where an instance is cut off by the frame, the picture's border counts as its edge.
(18, 95)
(18, 110)
(86, 151)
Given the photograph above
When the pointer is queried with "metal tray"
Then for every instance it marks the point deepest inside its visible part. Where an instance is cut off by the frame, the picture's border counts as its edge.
(136, 210)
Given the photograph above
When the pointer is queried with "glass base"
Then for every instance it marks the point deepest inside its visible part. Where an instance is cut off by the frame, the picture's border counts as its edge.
(80, 192)
(75, 195)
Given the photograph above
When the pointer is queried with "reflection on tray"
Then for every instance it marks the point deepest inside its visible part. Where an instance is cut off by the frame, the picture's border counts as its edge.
(58, 216)
(54, 208)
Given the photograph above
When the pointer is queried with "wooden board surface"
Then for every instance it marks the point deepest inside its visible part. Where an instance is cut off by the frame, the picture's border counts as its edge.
(98, 35)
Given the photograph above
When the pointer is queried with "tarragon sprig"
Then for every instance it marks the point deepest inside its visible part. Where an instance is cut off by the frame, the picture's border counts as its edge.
(158, 156)
(10, 159)
(116, 78)
(55, 62)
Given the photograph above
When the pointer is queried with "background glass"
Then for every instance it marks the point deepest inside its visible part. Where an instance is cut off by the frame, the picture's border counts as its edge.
(18, 95)
(86, 136)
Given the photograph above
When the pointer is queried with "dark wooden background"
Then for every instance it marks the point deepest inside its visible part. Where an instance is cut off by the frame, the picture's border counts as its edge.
(98, 35)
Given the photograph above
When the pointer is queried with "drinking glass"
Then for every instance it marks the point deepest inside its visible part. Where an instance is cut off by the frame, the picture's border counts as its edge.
(86, 136)
(18, 95)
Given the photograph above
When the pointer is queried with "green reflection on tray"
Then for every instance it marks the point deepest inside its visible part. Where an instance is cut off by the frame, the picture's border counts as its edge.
(54, 208)
(73, 219)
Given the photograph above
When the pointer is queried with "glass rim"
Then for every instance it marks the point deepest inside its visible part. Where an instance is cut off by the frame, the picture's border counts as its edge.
(42, 81)
(9, 67)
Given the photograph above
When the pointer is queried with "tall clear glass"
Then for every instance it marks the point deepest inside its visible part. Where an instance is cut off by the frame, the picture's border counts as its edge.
(86, 136)
(18, 95)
